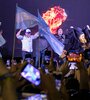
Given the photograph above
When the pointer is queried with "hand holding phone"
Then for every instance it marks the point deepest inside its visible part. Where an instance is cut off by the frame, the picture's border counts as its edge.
(32, 74)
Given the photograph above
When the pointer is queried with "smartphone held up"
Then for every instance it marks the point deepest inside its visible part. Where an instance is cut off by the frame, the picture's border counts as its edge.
(31, 74)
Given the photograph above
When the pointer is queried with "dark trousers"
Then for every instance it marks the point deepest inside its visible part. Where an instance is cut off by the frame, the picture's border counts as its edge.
(26, 54)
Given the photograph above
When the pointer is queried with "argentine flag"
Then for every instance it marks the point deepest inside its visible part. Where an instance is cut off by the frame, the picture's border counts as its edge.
(44, 29)
(24, 19)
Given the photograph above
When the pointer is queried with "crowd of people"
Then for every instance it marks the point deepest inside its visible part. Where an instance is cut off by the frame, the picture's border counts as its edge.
(72, 83)
(63, 78)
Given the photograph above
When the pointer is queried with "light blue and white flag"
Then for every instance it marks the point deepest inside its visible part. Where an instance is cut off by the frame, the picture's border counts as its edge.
(56, 45)
(24, 19)
(2, 40)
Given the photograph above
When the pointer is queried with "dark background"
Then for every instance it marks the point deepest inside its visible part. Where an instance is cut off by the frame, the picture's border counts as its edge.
(78, 12)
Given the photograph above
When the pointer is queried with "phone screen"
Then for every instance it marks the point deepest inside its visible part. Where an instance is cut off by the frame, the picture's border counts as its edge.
(46, 71)
(32, 74)
(47, 60)
(37, 97)
(72, 65)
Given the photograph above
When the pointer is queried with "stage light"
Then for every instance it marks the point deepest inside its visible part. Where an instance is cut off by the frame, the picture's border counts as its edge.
(54, 17)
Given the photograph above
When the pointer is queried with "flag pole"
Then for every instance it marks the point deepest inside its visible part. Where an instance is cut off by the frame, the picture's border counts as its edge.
(39, 46)
(14, 38)
(39, 51)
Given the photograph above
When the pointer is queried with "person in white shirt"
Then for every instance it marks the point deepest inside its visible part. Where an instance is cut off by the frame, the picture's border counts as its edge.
(27, 41)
